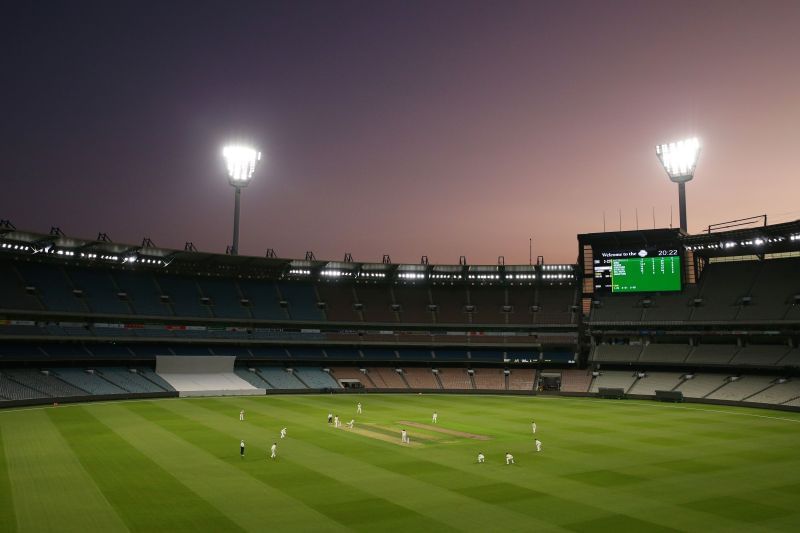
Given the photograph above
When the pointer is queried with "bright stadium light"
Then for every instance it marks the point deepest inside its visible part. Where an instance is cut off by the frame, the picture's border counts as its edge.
(679, 160)
(241, 164)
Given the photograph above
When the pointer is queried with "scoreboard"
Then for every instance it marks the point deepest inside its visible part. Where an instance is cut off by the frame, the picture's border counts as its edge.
(643, 270)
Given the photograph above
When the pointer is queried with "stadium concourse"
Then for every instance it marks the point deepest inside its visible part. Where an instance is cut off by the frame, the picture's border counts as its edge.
(88, 319)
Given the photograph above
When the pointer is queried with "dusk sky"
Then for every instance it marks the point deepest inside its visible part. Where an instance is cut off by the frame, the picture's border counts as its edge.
(438, 128)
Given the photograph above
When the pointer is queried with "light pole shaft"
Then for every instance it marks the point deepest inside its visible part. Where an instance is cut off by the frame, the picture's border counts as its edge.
(682, 204)
(238, 196)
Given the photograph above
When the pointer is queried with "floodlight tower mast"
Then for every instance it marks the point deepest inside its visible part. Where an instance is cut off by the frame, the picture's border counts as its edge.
(679, 159)
(241, 163)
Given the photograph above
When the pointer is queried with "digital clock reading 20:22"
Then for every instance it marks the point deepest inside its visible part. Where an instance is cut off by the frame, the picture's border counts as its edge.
(647, 274)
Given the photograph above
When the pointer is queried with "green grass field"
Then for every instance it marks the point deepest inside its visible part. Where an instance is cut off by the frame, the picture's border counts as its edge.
(174, 465)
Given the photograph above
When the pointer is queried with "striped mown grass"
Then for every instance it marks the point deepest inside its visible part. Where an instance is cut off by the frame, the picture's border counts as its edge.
(174, 465)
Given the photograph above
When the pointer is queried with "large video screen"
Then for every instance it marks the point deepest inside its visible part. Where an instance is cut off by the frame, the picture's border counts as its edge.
(646, 274)
(645, 270)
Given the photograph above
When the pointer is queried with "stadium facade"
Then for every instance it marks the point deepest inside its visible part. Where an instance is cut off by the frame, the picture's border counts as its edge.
(712, 317)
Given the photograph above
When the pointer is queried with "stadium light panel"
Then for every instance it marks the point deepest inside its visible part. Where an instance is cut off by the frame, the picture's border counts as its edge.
(241, 162)
(679, 158)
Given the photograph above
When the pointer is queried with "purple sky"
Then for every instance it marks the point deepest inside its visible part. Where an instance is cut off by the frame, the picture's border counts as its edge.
(410, 128)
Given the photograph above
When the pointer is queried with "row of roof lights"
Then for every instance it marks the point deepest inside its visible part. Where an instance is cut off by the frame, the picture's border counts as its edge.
(731, 244)
(300, 272)
(10, 246)
(335, 273)
(557, 276)
(372, 274)
(521, 276)
(556, 267)
(412, 275)
(484, 276)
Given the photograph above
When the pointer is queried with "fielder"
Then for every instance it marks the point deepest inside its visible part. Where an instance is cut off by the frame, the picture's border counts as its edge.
(538, 445)
(283, 433)
(336, 422)
(274, 450)
(481, 457)
(358, 408)
(533, 427)
(404, 436)
(241, 449)
(350, 424)
(435, 417)
(509, 459)
(241, 415)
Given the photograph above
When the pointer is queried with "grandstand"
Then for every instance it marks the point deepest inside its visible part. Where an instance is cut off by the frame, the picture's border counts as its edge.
(95, 319)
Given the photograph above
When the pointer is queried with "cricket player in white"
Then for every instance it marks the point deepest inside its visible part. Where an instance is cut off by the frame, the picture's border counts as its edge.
(350, 424)
(283, 433)
(241, 449)
(538, 445)
(241, 415)
(274, 450)
(435, 417)
(358, 408)
(533, 427)
(481, 457)
(403, 436)
(509, 459)
(336, 422)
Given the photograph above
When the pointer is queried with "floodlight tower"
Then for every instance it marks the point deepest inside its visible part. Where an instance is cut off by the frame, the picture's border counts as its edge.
(241, 163)
(679, 159)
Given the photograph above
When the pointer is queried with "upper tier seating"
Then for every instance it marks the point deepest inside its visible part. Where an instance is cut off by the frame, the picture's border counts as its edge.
(143, 294)
(12, 291)
(184, 295)
(302, 301)
(450, 302)
(488, 302)
(414, 303)
(721, 287)
(715, 354)
(555, 305)
(339, 301)
(377, 302)
(772, 291)
(760, 354)
(225, 299)
(664, 353)
(52, 286)
(617, 352)
(99, 291)
(264, 299)
(521, 299)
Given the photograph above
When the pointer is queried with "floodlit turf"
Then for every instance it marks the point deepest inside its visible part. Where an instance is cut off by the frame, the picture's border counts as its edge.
(174, 465)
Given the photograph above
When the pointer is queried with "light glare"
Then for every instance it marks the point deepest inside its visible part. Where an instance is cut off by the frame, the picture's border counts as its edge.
(241, 161)
(679, 158)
